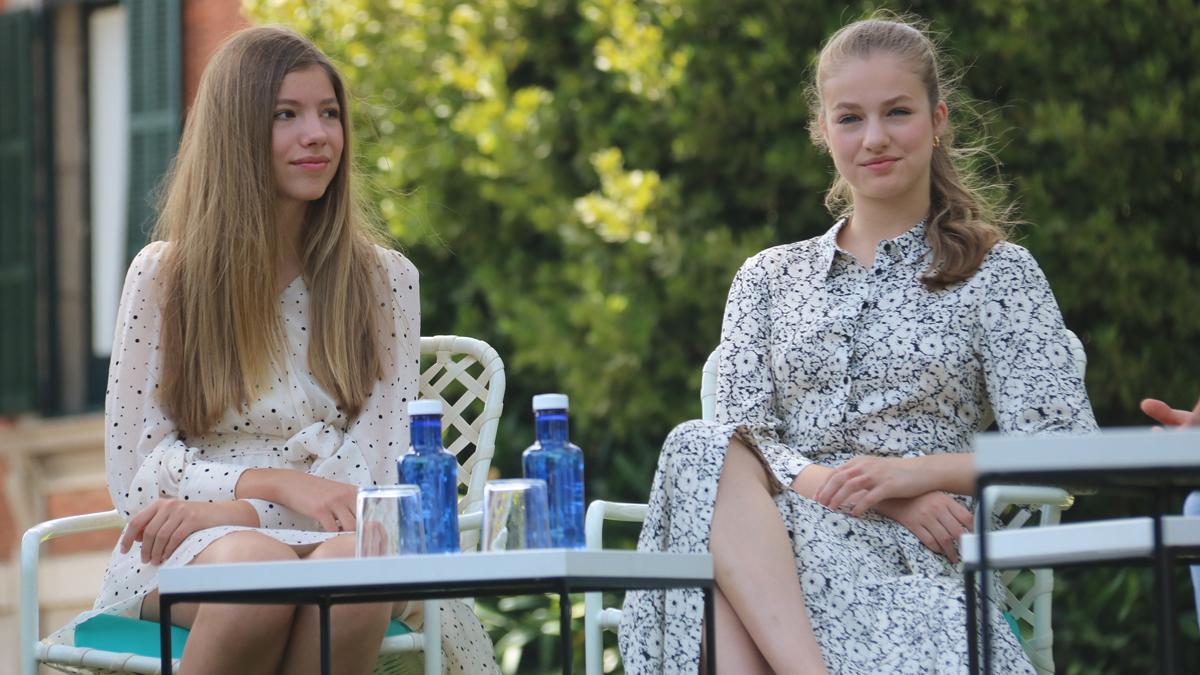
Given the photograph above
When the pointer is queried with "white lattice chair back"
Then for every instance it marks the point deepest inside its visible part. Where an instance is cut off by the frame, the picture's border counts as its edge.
(466, 374)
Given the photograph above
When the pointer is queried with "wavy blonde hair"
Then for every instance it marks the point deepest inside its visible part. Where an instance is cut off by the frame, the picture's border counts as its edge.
(220, 316)
(968, 214)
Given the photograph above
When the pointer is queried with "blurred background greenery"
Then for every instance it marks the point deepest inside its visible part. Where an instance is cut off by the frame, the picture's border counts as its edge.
(578, 180)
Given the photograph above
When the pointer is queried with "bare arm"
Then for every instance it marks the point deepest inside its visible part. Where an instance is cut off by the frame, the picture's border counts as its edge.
(861, 483)
(329, 502)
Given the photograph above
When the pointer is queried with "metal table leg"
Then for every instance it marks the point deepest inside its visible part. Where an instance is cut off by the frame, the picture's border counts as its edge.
(326, 656)
(710, 631)
(164, 634)
(564, 630)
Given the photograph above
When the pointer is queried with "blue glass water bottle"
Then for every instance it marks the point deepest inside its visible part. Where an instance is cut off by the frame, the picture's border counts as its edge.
(433, 469)
(555, 460)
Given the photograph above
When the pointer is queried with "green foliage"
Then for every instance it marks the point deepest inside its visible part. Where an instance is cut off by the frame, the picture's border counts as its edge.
(579, 179)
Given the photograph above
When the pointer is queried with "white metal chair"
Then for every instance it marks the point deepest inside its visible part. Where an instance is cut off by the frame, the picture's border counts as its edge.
(465, 373)
(1027, 594)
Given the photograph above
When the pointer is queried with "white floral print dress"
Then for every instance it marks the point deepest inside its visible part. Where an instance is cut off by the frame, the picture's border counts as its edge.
(822, 360)
(293, 423)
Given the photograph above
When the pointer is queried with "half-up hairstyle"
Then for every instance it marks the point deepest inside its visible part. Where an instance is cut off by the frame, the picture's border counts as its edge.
(221, 326)
(968, 215)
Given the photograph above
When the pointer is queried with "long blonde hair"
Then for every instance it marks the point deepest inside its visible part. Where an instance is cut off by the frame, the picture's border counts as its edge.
(221, 324)
(968, 214)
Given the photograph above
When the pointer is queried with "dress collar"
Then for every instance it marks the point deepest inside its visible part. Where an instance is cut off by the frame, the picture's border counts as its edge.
(913, 244)
(910, 246)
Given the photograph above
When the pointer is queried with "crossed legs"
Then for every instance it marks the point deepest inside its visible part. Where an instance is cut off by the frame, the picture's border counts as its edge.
(237, 638)
(762, 624)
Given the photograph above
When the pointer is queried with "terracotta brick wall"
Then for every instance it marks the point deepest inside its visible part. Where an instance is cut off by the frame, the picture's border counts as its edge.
(206, 23)
(8, 526)
(64, 504)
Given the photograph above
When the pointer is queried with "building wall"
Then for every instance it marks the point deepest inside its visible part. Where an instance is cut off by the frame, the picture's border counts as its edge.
(206, 24)
(52, 468)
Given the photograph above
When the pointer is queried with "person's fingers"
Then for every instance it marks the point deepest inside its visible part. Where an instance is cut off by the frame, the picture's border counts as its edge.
(945, 539)
(844, 497)
(926, 538)
(150, 534)
(347, 518)
(1165, 414)
(868, 500)
(954, 530)
(963, 516)
(177, 536)
(328, 521)
(1193, 419)
(833, 482)
(163, 537)
(137, 524)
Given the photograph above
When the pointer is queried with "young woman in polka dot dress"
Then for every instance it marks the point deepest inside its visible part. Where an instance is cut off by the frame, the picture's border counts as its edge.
(265, 350)
(854, 369)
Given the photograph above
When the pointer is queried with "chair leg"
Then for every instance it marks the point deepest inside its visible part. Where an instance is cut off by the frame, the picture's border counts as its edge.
(433, 637)
(593, 638)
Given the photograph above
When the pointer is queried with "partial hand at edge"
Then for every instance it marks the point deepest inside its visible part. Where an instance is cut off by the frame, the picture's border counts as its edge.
(1171, 417)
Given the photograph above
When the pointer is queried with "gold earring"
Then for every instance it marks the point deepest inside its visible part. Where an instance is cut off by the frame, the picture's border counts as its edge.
(937, 141)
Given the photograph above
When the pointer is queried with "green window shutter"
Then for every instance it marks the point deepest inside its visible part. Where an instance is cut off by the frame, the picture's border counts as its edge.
(17, 292)
(155, 107)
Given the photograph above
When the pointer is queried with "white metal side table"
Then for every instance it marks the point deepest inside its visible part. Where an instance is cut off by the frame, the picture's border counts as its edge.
(328, 582)
(1154, 463)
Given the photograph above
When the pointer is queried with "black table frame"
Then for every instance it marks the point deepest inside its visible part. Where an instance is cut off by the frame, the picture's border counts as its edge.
(1158, 482)
(326, 596)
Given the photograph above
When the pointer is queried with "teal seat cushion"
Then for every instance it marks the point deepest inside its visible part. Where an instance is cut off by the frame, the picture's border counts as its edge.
(135, 636)
(1016, 629)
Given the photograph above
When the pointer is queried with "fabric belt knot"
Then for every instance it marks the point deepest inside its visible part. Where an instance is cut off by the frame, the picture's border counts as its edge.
(330, 453)
(314, 443)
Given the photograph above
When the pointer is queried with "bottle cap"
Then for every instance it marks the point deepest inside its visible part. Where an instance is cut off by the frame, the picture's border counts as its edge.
(550, 402)
(424, 406)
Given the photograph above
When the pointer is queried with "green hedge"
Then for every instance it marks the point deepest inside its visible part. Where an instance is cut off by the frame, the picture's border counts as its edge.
(578, 181)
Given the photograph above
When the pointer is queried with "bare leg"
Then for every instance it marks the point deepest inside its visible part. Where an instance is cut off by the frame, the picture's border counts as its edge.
(356, 630)
(755, 570)
(737, 652)
(232, 638)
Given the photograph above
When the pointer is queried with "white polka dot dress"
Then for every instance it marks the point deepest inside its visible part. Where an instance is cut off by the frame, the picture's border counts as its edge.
(823, 360)
(292, 423)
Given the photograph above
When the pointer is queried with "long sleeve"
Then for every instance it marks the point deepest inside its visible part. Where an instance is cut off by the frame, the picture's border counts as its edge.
(144, 454)
(745, 385)
(364, 452)
(381, 429)
(1030, 369)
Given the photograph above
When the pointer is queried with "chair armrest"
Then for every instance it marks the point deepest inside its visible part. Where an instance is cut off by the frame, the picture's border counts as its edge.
(599, 511)
(999, 496)
(471, 519)
(31, 543)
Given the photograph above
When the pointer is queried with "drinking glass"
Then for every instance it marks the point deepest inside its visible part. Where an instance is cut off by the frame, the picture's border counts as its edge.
(515, 515)
(390, 521)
